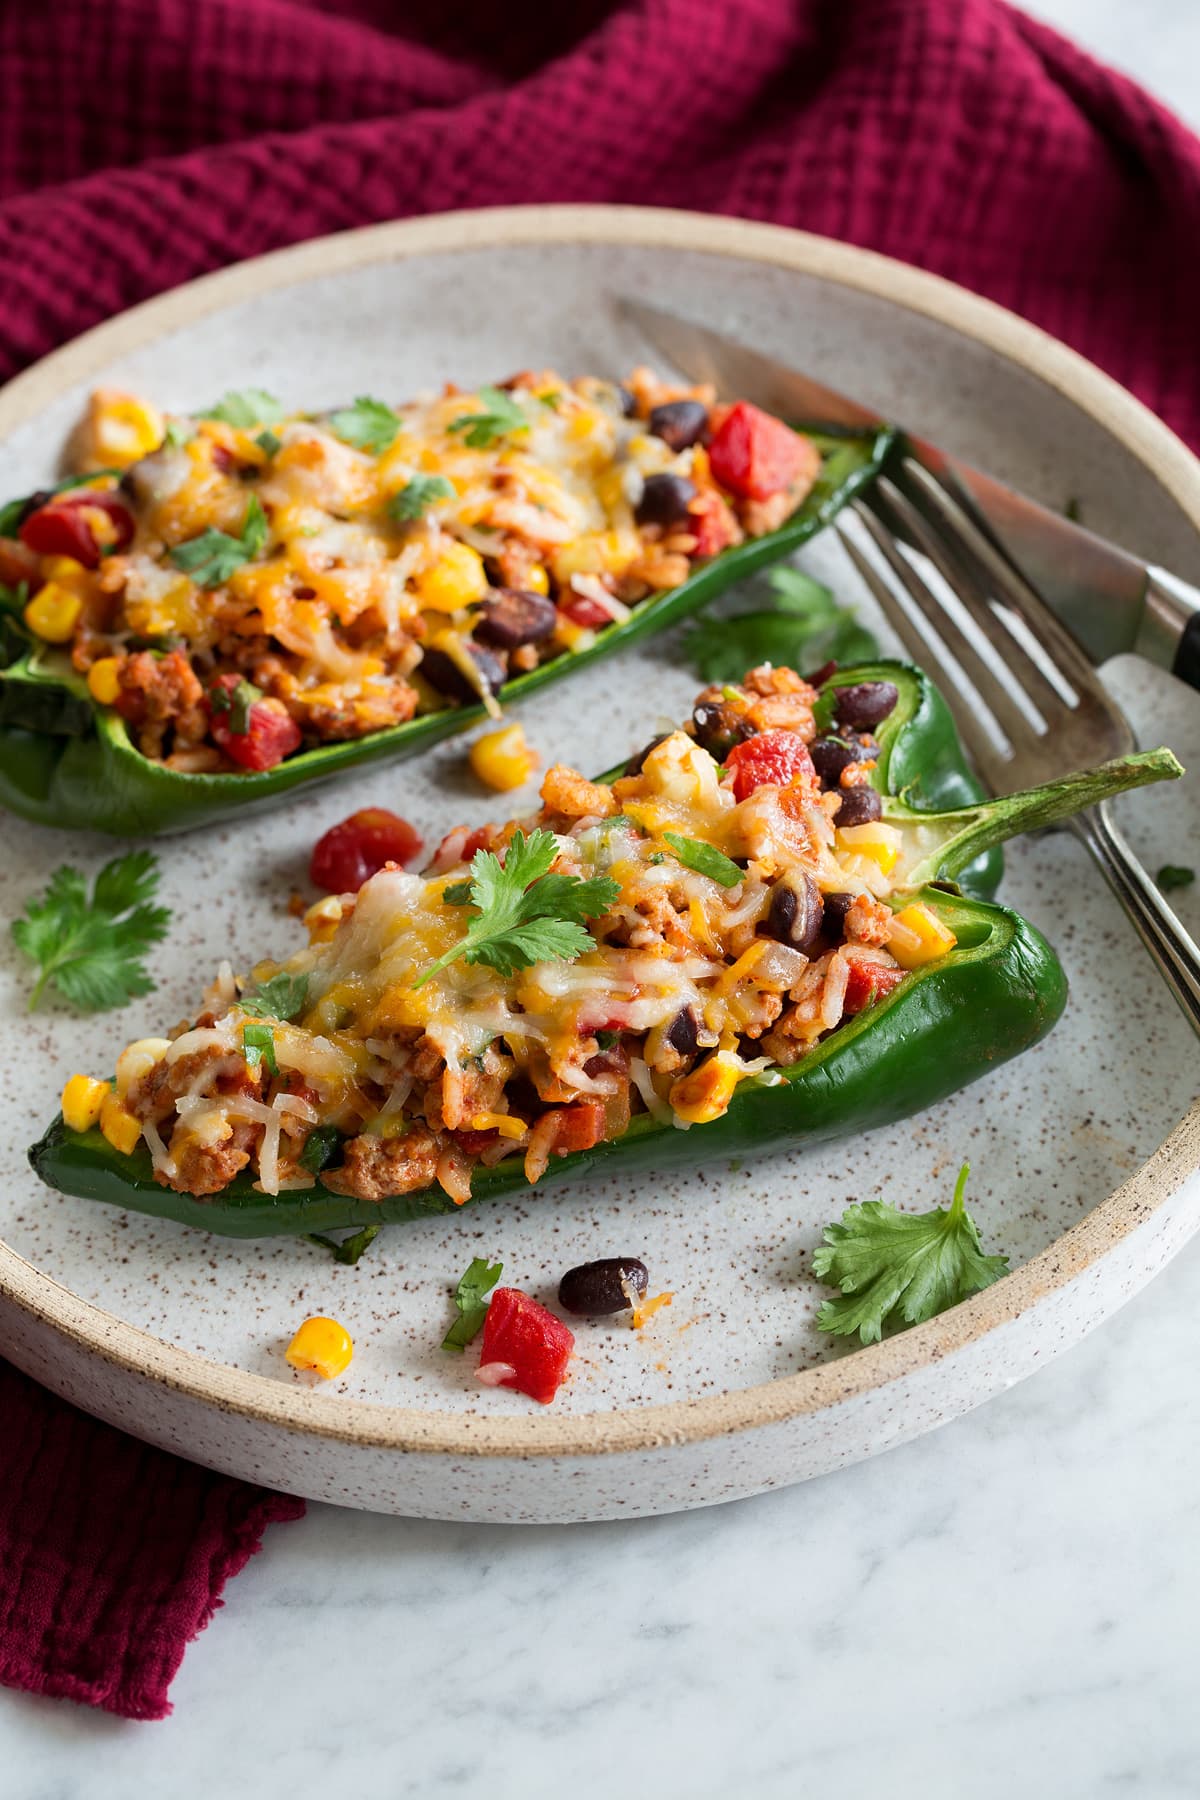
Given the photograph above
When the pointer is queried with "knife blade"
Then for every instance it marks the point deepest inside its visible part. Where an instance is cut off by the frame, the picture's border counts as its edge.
(1110, 600)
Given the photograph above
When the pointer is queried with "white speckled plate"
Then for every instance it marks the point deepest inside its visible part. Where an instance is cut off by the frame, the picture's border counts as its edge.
(1082, 1170)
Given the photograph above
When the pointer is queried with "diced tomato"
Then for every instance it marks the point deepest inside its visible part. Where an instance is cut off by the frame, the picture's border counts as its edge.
(868, 983)
(712, 524)
(17, 564)
(581, 609)
(358, 847)
(580, 1127)
(774, 757)
(537, 1347)
(271, 733)
(62, 526)
(754, 455)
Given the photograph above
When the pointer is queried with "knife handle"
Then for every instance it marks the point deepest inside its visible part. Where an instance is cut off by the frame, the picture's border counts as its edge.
(1170, 632)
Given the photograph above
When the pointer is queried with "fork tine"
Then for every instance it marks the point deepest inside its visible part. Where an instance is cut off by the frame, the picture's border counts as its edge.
(1011, 588)
(925, 649)
(945, 552)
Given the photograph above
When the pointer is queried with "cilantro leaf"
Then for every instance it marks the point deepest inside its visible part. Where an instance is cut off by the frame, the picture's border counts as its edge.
(693, 853)
(268, 443)
(470, 1299)
(178, 432)
(368, 425)
(899, 1268)
(825, 710)
(526, 915)
(1174, 875)
(320, 1147)
(92, 950)
(258, 1046)
(804, 624)
(244, 407)
(282, 997)
(414, 501)
(214, 556)
(500, 417)
(350, 1248)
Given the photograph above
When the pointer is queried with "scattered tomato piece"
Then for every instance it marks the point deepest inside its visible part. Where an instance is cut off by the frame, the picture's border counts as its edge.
(536, 1346)
(81, 525)
(868, 983)
(773, 757)
(754, 455)
(358, 847)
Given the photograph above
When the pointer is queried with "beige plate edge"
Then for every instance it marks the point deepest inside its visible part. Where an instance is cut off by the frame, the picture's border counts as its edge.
(631, 1429)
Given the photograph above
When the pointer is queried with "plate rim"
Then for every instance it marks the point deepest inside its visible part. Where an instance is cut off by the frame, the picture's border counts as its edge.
(621, 1430)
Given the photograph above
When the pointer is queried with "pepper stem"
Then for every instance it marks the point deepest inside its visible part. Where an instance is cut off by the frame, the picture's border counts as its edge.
(959, 837)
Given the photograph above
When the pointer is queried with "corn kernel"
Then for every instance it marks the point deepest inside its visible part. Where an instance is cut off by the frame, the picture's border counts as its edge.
(121, 1129)
(137, 1059)
(103, 680)
(537, 579)
(53, 613)
(502, 759)
(918, 936)
(123, 428)
(457, 579)
(322, 1346)
(82, 1099)
(704, 1095)
(64, 569)
(880, 843)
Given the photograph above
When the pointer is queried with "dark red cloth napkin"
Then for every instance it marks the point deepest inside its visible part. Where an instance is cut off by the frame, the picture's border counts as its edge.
(162, 138)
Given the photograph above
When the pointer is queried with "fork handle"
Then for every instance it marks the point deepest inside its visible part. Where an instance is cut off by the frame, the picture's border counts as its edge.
(1173, 949)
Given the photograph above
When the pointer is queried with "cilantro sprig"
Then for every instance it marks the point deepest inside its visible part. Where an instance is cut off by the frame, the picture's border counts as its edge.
(350, 1248)
(804, 624)
(91, 947)
(470, 1297)
(282, 997)
(897, 1268)
(414, 500)
(695, 854)
(525, 914)
(244, 407)
(214, 556)
(1175, 875)
(500, 416)
(369, 425)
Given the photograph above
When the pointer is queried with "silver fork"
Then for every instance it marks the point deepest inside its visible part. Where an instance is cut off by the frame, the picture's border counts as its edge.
(1037, 707)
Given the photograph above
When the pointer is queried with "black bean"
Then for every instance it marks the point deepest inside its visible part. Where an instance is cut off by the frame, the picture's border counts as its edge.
(679, 423)
(634, 765)
(628, 402)
(830, 756)
(596, 1288)
(664, 500)
(41, 498)
(795, 915)
(718, 726)
(446, 676)
(834, 916)
(860, 806)
(683, 1033)
(514, 616)
(866, 703)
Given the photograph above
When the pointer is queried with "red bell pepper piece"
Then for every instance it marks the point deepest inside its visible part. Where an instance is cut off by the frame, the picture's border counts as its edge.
(62, 526)
(358, 847)
(754, 455)
(773, 757)
(582, 610)
(537, 1347)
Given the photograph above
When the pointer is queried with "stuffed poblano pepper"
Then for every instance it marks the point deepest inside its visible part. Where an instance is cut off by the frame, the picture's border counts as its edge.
(222, 608)
(769, 928)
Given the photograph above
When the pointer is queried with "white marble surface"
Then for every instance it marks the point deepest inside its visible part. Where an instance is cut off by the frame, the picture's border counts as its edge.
(1007, 1607)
